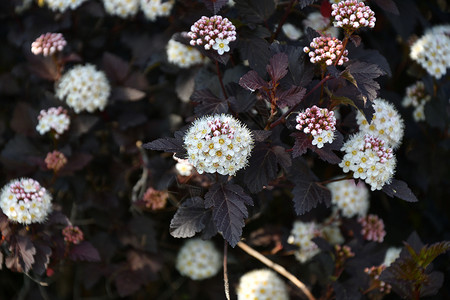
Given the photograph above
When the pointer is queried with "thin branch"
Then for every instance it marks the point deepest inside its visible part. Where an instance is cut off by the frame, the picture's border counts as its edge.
(281, 270)
(226, 284)
(139, 188)
(283, 20)
(219, 74)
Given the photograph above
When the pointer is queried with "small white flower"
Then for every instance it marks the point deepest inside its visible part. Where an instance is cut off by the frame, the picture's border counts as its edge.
(55, 118)
(391, 255)
(291, 31)
(63, 5)
(262, 285)
(198, 259)
(182, 55)
(121, 8)
(156, 8)
(221, 46)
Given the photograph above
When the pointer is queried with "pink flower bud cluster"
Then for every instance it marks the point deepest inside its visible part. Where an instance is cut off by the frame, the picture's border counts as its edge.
(155, 199)
(372, 228)
(374, 272)
(48, 43)
(352, 15)
(206, 30)
(377, 145)
(25, 201)
(326, 50)
(73, 234)
(55, 118)
(319, 122)
(55, 160)
(219, 127)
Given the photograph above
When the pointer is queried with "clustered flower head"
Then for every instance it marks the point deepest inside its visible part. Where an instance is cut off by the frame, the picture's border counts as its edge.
(261, 284)
(183, 56)
(369, 159)
(350, 198)
(352, 15)
(301, 235)
(155, 199)
(25, 201)
(372, 228)
(156, 8)
(319, 122)
(84, 88)
(391, 255)
(320, 24)
(63, 5)
(417, 97)
(325, 50)
(332, 234)
(73, 234)
(198, 259)
(214, 32)
(48, 43)
(387, 124)
(55, 118)
(432, 51)
(121, 8)
(291, 31)
(218, 143)
(55, 160)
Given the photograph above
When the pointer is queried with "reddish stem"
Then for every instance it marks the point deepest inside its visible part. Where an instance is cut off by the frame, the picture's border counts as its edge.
(283, 20)
(219, 74)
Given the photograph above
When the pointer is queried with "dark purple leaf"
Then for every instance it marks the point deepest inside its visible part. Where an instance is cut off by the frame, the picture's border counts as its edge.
(388, 5)
(362, 75)
(400, 190)
(84, 251)
(208, 103)
(167, 144)
(254, 47)
(26, 251)
(262, 168)
(333, 71)
(307, 194)
(371, 56)
(190, 218)
(327, 154)
(123, 93)
(240, 99)
(356, 40)
(214, 5)
(43, 67)
(42, 258)
(24, 119)
(76, 162)
(128, 282)
(311, 34)
(129, 119)
(252, 81)
(290, 97)
(277, 67)
(283, 157)
(228, 202)
(115, 67)
(260, 135)
(255, 11)
(82, 124)
(301, 144)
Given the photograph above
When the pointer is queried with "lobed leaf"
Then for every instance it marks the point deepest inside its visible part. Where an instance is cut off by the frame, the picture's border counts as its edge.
(255, 11)
(168, 144)
(252, 81)
(290, 97)
(214, 5)
(400, 190)
(228, 202)
(190, 218)
(277, 67)
(362, 75)
(84, 251)
(208, 103)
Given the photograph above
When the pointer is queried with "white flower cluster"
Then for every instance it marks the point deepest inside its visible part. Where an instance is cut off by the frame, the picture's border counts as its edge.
(320, 24)
(183, 56)
(416, 97)
(387, 124)
(198, 259)
(319, 122)
(369, 159)
(350, 198)
(63, 5)
(332, 233)
(391, 255)
(84, 88)
(301, 235)
(218, 143)
(55, 118)
(121, 8)
(261, 284)
(156, 8)
(25, 201)
(352, 15)
(432, 51)
(291, 31)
